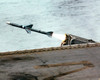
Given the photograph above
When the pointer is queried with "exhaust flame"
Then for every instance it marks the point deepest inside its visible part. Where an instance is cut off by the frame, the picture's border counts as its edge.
(59, 36)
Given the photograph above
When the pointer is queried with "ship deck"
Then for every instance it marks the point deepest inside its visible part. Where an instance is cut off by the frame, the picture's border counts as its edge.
(74, 62)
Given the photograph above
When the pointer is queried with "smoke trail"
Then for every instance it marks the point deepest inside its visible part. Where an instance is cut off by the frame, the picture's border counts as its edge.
(59, 36)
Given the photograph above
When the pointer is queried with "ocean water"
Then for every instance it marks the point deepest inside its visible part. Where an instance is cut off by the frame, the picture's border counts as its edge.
(77, 17)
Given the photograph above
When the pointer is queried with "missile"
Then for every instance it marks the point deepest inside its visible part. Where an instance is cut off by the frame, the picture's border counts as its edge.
(29, 28)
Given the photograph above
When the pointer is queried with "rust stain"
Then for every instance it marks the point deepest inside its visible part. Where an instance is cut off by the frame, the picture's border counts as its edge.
(86, 65)
(66, 73)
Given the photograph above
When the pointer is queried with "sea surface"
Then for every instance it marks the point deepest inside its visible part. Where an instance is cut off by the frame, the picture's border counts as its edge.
(77, 17)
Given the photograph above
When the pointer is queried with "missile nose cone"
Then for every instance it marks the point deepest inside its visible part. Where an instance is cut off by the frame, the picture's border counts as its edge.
(8, 22)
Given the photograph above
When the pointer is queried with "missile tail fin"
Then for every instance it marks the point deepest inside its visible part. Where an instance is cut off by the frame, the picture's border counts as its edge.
(49, 33)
